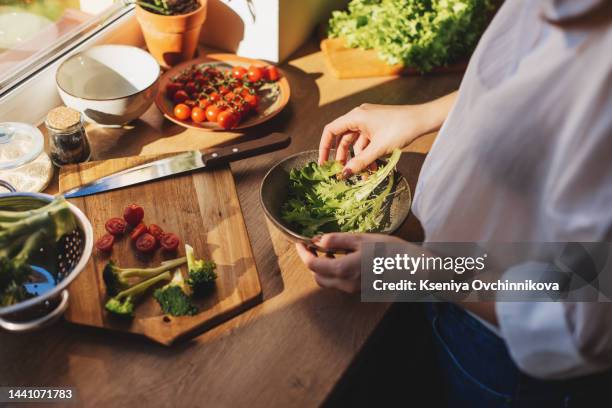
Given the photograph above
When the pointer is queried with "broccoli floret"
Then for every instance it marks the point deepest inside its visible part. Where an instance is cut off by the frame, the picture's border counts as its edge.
(201, 275)
(124, 302)
(116, 278)
(15, 272)
(174, 298)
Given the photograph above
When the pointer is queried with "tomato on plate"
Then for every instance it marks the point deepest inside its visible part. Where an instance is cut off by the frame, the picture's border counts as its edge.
(133, 214)
(170, 241)
(214, 97)
(203, 104)
(252, 100)
(180, 96)
(156, 231)
(239, 72)
(105, 243)
(172, 88)
(271, 73)
(115, 226)
(227, 119)
(146, 243)
(254, 73)
(212, 112)
(198, 115)
(182, 111)
(138, 231)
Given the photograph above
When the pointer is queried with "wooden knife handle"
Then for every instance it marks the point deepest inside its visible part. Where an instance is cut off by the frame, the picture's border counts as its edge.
(226, 154)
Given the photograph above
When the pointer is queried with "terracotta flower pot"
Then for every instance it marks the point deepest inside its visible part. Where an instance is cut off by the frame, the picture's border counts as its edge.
(172, 39)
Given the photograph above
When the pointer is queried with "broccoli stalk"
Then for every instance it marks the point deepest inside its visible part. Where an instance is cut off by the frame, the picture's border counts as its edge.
(124, 302)
(201, 273)
(174, 298)
(116, 278)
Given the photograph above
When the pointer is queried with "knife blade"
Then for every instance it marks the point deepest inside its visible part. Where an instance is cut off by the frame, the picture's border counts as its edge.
(180, 164)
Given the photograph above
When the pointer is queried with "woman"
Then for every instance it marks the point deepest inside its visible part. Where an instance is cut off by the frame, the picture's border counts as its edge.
(524, 153)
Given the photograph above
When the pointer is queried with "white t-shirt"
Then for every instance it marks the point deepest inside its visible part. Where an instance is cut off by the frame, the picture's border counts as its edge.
(526, 155)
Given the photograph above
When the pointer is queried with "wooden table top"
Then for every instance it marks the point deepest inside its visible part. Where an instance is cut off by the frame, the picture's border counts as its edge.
(289, 350)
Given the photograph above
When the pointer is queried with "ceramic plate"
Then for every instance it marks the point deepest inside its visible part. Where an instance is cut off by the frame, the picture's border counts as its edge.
(271, 103)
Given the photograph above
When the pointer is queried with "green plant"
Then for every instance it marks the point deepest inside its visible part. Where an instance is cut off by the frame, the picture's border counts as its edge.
(174, 298)
(124, 302)
(116, 279)
(168, 7)
(416, 33)
(201, 273)
(320, 202)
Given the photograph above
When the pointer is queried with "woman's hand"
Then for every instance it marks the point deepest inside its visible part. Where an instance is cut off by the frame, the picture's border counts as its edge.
(344, 271)
(375, 130)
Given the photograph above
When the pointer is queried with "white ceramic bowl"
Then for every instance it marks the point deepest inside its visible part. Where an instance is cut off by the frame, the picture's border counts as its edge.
(110, 84)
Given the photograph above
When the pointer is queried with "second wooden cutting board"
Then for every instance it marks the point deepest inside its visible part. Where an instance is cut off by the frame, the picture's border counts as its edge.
(203, 209)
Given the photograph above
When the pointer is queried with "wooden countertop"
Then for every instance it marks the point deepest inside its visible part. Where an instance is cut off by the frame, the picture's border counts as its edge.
(291, 349)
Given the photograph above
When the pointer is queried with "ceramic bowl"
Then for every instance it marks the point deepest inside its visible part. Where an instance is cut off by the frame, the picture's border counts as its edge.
(110, 84)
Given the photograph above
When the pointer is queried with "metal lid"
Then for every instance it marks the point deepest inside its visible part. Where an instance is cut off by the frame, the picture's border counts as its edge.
(19, 144)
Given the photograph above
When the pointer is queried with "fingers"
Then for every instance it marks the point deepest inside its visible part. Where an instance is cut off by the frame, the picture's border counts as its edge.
(344, 267)
(360, 144)
(344, 124)
(339, 240)
(358, 163)
(342, 146)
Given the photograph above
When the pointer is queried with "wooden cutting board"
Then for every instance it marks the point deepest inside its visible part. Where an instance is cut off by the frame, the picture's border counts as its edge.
(203, 209)
(345, 62)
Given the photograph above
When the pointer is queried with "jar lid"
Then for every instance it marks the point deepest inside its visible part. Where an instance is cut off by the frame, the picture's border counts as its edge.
(19, 144)
(62, 118)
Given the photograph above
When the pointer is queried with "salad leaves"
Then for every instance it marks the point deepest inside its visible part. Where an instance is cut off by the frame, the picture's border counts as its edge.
(422, 34)
(320, 202)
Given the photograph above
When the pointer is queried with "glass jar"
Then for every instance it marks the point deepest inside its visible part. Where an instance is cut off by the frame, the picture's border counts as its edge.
(68, 142)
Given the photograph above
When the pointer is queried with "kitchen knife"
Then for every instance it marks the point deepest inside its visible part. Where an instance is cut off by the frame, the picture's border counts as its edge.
(181, 163)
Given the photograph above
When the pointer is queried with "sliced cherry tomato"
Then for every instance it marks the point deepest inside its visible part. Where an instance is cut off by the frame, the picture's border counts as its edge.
(138, 231)
(271, 73)
(170, 242)
(212, 112)
(133, 214)
(255, 73)
(180, 96)
(239, 72)
(105, 243)
(252, 100)
(182, 111)
(227, 119)
(156, 231)
(115, 226)
(172, 88)
(198, 115)
(146, 243)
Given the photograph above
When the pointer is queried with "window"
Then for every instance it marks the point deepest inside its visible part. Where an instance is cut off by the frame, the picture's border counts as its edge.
(36, 33)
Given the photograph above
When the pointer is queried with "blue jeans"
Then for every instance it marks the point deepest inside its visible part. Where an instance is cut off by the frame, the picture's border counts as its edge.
(478, 371)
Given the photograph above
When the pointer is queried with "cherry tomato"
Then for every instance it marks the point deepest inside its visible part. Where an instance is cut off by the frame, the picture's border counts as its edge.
(239, 72)
(133, 214)
(255, 73)
(203, 104)
(214, 97)
(190, 102)
(229, 96)
(198, 115)
(115, 226)
(105, 243)
(190, 87)
(271, 73)
(156, 231)
(138, 231)
(252, 100)
(212, 112)
(227, 119)
(223, 90)
(180, 96)
(146, 243)
(182, 111)
(170, 242)
(172, 88)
